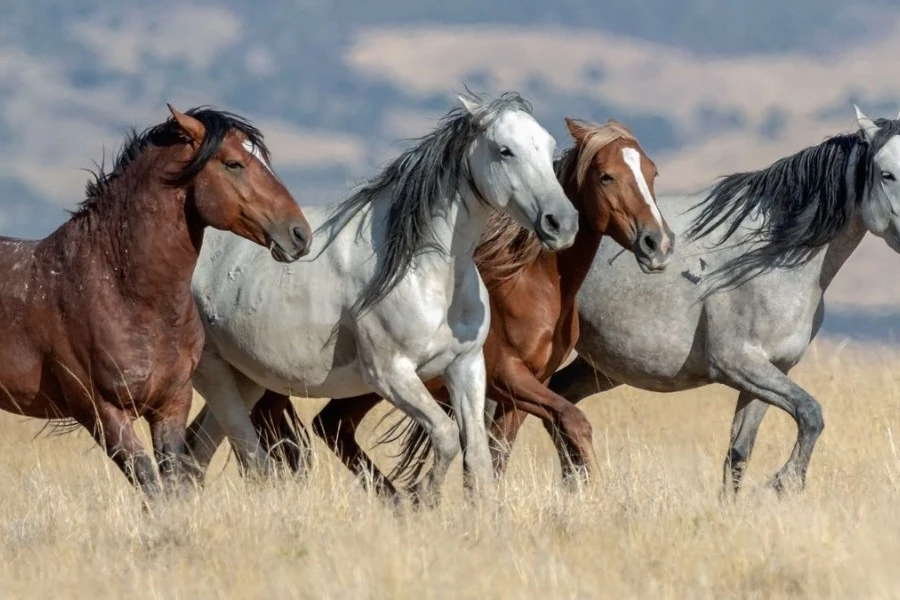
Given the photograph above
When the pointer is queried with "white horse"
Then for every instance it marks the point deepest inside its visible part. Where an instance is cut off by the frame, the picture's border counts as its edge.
(390, 296)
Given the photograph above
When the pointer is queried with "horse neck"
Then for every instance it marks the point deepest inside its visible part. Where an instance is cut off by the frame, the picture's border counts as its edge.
(459, 225)
(147, 232)
(840, 249)
(575, 262)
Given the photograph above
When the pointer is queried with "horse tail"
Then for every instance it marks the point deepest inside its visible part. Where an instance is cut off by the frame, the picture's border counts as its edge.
(415, 446)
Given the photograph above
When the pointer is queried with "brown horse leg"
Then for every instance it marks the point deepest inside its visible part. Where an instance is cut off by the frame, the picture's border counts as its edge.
(504, 430)
(113, 429)
(167, 430)
(575, 382)
(282, 434)
(523, 391)
(336, 425)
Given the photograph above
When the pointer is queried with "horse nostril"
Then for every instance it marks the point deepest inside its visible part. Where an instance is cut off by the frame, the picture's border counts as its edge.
(649, 244)
(551, 224)
(299, 234)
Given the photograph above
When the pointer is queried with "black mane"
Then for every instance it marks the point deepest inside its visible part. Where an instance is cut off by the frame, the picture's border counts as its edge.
(217, 123)
(805, 200)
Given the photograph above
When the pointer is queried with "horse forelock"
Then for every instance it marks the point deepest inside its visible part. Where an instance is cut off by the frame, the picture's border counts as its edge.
(598, 137)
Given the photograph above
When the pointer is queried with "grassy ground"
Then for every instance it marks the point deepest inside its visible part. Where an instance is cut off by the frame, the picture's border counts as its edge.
(652, 526)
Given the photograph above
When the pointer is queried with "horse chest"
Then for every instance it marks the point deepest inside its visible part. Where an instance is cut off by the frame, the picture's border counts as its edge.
(146, 362)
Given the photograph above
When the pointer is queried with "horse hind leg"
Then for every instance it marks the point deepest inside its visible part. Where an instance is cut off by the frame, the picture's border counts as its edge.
(283, 436)
(765, 381)
(748, 416)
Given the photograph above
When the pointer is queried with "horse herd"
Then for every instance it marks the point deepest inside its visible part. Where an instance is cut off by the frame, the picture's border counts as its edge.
(469, 284)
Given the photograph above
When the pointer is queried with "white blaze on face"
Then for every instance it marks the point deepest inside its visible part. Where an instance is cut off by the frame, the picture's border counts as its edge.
(255, 151)
(633, 160)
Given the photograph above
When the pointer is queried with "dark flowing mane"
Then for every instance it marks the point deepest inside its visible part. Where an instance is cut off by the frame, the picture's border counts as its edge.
(506, 248)
(804, 200)
(418, 181)
(217, 123)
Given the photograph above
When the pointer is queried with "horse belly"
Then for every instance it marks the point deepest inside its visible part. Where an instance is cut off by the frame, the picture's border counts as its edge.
(637, 337)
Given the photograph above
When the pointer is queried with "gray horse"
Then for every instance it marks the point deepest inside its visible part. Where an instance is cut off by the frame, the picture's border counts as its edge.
(745, 291)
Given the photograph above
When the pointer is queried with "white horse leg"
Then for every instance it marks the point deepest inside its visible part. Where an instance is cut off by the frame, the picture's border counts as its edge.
(398, 383)
(228, 393)
(748, 416)
(466, 382)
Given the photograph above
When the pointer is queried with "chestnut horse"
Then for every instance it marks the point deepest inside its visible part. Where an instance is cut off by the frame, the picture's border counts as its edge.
(97, 319)
(534, 316)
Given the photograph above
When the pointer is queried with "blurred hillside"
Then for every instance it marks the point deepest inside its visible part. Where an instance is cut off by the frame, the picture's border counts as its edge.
(709, 86)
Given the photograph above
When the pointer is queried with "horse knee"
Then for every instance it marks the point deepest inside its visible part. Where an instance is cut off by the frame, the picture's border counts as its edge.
(576, 426)
(445, 440)
(809, 418)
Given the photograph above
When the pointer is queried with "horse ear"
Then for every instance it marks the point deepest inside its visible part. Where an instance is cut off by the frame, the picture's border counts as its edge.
(191, 126)
(868, 127)
(577, 130)
(470, 105)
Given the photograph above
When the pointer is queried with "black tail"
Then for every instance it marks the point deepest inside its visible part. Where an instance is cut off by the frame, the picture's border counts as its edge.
(415, 446)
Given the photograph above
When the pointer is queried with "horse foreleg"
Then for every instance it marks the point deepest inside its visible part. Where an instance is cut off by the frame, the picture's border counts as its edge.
(396, 380)
(167, 430)
(748, 416)
(466, 381)
(580, 380)
(336, 425)
(759, 378)
(113, 429)
(571, 431)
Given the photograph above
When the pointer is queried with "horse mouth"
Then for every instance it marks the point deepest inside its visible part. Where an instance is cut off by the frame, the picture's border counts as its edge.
(280, 254)
(652, 265)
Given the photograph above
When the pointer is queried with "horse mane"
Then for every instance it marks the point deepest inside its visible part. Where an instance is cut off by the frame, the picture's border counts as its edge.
(804, 200)
(417, 182)
(506, 248)
(217, 123)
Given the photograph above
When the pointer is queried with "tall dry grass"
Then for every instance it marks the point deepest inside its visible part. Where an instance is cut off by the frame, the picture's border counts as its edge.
(651, 527)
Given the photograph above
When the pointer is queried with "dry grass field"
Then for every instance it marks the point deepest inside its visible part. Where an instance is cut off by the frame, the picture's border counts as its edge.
(651, 527)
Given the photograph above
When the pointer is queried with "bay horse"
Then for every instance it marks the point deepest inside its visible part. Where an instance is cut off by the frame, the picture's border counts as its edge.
(97, 319)
(742, 313)
(534, 325)
(393, 296)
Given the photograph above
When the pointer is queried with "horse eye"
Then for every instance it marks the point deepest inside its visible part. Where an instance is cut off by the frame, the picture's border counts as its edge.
(605, 177)
(506, 152)
(233, 165)
(887, 176)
